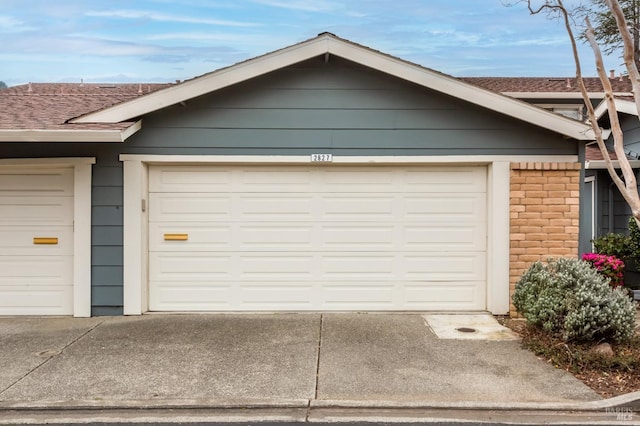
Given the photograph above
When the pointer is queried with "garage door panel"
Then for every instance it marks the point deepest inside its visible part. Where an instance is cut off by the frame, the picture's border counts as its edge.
(22, 210)
(34, 182)
(34, 300)
(189, 207)
(20, 270)
(445, 296)
(445, 238)
(19, 240)
(364, 207)
(446, 207)
(446, 267)
(189, 266)
(188, 296)
(189, 179)
(446, 180)
(278, 207)
(200, 236)
(360, 237)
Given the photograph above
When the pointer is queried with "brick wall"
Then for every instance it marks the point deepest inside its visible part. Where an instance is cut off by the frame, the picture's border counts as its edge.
(544, 214)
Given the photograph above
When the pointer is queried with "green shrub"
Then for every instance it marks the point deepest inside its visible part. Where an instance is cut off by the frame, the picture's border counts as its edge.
(618, 245)
(569, 298)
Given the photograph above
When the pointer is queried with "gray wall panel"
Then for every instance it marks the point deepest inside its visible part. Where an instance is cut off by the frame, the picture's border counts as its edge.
(107, 311)
(106, 296)
(107, 195)
(106, 215)
(107, 276)
(106, 235)
(106, 255)
(108, 175)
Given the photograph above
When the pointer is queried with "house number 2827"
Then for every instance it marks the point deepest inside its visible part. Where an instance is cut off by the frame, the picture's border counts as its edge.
(321, 158)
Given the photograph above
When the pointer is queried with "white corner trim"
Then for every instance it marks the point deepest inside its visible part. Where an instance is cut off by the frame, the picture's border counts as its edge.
(82, 240)
(499, 176)
(133, 238)
(329, 44)
(68, 135)
(136, 190)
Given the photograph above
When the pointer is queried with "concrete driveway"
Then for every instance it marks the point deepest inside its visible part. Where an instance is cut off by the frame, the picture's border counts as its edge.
(265, 360)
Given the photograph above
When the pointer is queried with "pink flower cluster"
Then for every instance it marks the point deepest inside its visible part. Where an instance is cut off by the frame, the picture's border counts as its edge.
(609, 266)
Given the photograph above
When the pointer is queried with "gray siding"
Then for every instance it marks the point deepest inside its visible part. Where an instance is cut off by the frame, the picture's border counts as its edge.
(338, 108)
(631, 129)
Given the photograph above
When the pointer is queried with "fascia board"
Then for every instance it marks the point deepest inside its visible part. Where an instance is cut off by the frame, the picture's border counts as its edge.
(622, 106)
(559, 95)
(68, 135)
(601, 164)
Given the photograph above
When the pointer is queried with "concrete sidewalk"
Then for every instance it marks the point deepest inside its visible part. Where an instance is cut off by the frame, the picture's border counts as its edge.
(270, 361)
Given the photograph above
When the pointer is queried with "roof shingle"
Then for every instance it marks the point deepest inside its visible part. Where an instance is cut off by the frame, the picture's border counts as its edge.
(547, 84)
(48, 106)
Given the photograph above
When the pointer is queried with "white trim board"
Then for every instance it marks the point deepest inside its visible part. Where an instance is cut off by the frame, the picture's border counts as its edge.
(136, 194)
(601, 164)
(68, 135)
(81, 219)
(304, 159)
(622, 106)
(329, 44)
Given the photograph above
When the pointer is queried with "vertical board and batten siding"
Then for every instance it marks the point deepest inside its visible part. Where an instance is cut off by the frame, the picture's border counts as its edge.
(337, 107)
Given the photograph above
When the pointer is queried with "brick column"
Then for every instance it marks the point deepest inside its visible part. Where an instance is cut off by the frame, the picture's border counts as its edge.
(544, 215)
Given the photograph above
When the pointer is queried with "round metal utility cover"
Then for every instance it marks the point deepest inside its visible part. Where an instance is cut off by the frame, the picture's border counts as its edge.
(466, 330)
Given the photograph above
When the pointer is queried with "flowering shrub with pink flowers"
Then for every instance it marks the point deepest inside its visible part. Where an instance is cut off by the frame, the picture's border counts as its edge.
(608, 266)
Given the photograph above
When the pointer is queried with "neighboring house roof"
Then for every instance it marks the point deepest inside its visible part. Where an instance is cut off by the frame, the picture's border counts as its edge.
(328, 44)
(121, 115)
(41, 111)
(593, 153)
(549, 87)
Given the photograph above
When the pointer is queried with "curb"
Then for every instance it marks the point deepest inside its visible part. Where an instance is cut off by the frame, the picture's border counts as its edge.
(630, 401)
(160, 404)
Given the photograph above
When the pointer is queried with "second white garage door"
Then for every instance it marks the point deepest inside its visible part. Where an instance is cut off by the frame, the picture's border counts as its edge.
(36, 241)
(245, 238)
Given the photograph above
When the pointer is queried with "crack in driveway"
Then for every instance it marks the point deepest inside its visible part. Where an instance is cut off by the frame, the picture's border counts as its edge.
(50, 354)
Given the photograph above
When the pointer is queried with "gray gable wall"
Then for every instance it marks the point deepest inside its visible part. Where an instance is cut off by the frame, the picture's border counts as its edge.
(336, 107)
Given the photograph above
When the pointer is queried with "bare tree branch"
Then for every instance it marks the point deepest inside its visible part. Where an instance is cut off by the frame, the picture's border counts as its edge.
(626, 184)
(627, 40)
(628, 188)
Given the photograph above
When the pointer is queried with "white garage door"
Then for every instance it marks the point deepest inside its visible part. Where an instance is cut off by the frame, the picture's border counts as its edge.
(246, 238)
(36, 241)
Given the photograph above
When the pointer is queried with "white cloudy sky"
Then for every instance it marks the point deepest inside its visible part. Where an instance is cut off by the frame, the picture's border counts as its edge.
(165, 40)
